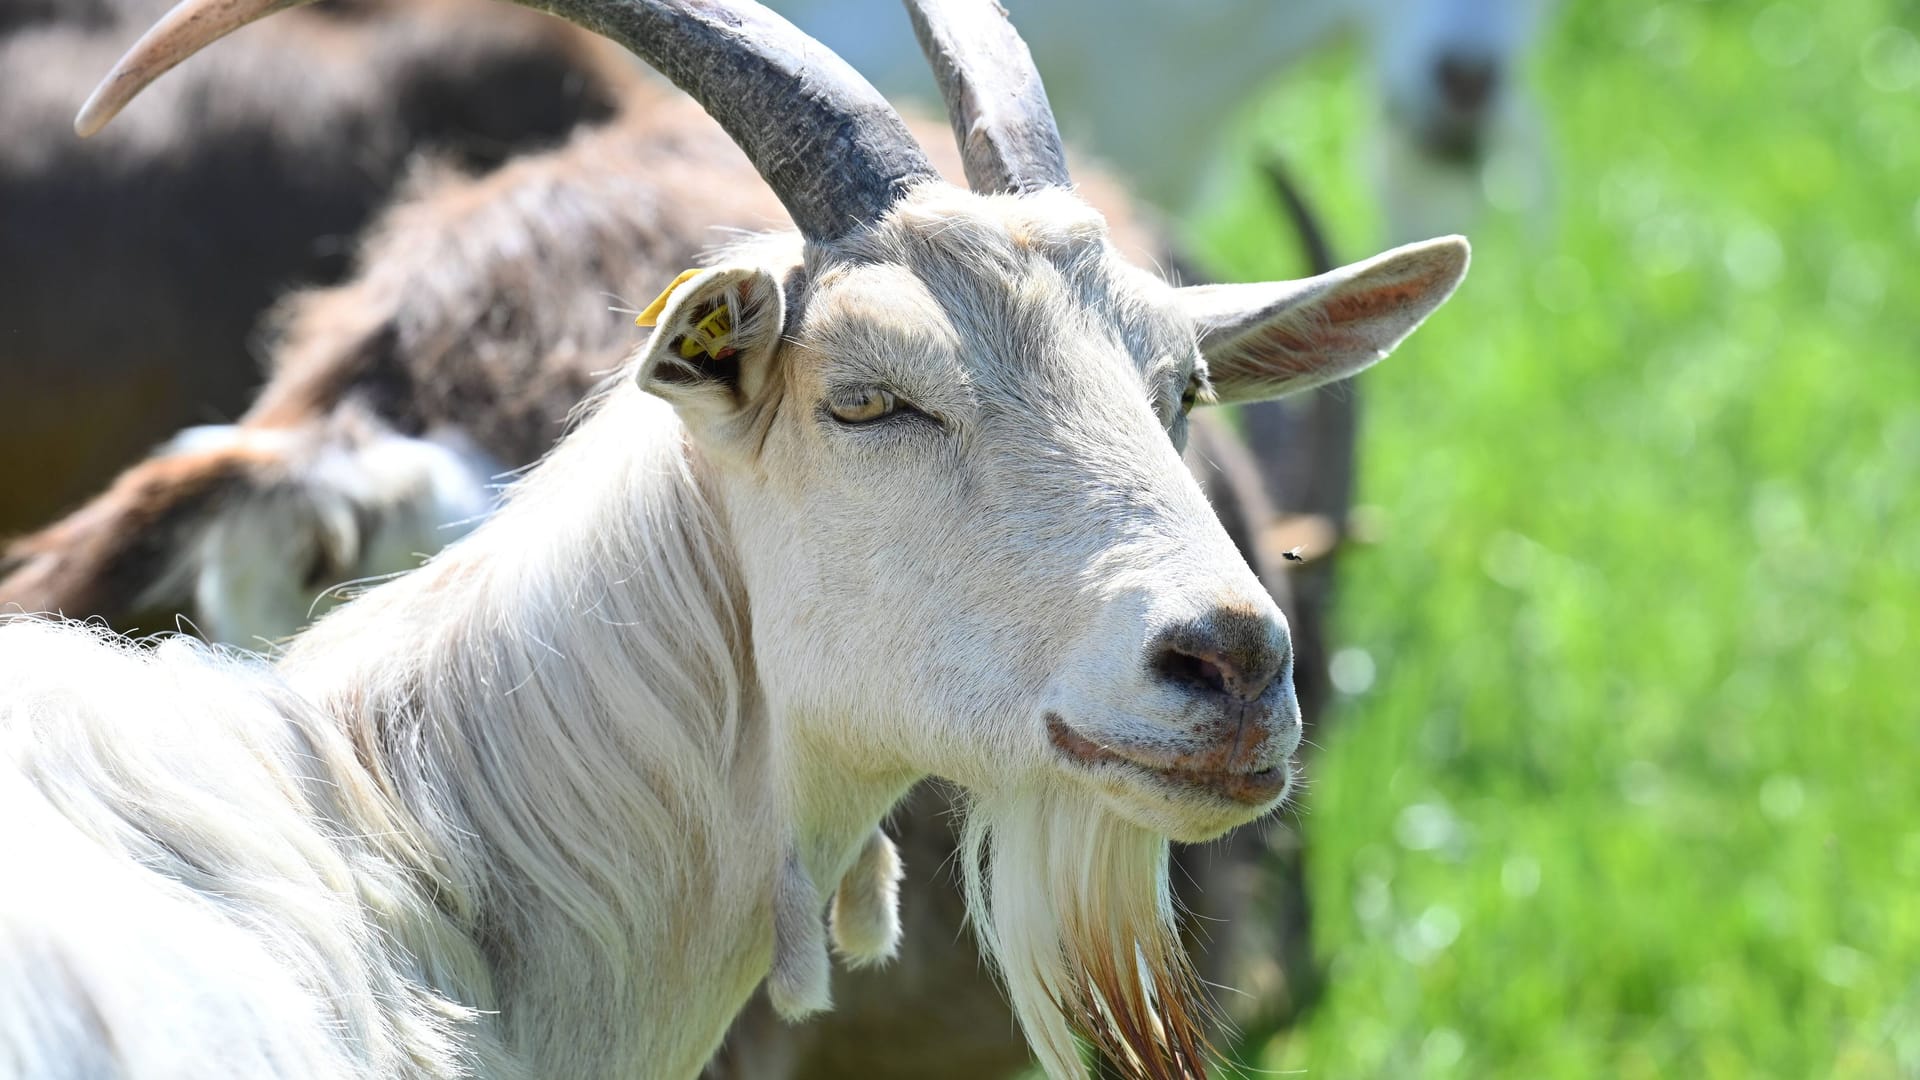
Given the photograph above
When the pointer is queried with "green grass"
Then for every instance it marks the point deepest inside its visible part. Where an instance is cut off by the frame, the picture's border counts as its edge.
(1636, 790)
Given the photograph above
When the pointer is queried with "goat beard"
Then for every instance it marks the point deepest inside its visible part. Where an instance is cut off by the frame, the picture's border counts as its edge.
(1073, 905)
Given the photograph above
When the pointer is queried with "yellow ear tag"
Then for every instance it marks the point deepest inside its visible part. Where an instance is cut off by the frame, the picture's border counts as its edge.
(710, 335)
(652, 313)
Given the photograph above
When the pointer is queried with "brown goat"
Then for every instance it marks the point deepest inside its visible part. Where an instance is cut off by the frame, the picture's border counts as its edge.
(242, 176)
(477, 320)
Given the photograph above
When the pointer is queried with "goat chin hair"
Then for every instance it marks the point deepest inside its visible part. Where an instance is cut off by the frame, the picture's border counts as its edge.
(1073, 905)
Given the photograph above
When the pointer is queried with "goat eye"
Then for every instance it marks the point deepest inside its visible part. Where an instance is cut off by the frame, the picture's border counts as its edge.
(1189, 397)
(864, 406)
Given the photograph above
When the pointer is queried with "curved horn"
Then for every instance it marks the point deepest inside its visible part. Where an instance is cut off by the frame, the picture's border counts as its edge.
(822, 137)
(999, 110)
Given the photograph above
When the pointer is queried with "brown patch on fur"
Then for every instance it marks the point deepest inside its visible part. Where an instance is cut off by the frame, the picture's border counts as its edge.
(483, 303)
(99, 560)
(136, 264)
(1144, 1029)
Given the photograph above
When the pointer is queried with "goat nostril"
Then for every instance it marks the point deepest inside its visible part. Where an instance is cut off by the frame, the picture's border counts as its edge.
(1182, 668)
(1233, 658)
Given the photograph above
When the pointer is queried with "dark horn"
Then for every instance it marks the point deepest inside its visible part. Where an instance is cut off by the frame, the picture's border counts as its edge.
(998, 107)
(822, 137)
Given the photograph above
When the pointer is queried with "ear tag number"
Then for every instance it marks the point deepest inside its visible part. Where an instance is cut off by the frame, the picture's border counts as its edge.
(710, 335)
(651, 315)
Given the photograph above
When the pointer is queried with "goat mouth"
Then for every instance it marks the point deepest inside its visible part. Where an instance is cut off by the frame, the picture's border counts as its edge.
(1242, 786)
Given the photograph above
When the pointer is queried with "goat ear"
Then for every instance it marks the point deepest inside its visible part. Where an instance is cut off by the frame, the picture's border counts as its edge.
(1278, 338)
(714, 331)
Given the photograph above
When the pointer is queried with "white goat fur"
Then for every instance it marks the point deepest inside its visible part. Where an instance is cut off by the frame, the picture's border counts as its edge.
(555, 803)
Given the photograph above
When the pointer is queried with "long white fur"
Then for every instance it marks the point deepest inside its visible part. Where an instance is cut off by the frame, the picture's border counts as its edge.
(1038, 864)
(555, 803)
(219, 885)
(528, 797)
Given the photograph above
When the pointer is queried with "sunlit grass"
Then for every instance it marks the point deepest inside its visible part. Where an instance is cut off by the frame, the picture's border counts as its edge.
(1636, 791)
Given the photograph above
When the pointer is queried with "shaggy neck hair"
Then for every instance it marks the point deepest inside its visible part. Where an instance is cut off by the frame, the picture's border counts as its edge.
(573, 719)
(567, 834)
(574, 724)
(564, 705)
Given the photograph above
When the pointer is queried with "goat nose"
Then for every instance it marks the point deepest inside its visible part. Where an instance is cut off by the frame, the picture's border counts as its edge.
(1233, 651)
(1466, 82)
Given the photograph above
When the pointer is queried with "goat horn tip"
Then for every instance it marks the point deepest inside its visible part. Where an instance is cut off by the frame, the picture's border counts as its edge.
(99, 110)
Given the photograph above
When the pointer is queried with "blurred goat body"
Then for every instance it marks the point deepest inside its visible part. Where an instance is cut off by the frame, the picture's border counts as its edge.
(476, 324)
(135, 266)
(1147, 86)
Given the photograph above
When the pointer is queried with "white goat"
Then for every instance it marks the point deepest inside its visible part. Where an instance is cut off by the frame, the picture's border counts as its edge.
(1148, 86)
(896, 496)
(454, 353)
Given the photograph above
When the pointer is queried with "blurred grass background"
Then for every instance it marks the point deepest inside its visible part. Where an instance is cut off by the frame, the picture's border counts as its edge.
(1626, 781)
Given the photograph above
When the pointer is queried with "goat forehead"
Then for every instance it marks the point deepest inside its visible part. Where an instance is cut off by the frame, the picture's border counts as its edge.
(948, 223)
(1023, 296)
